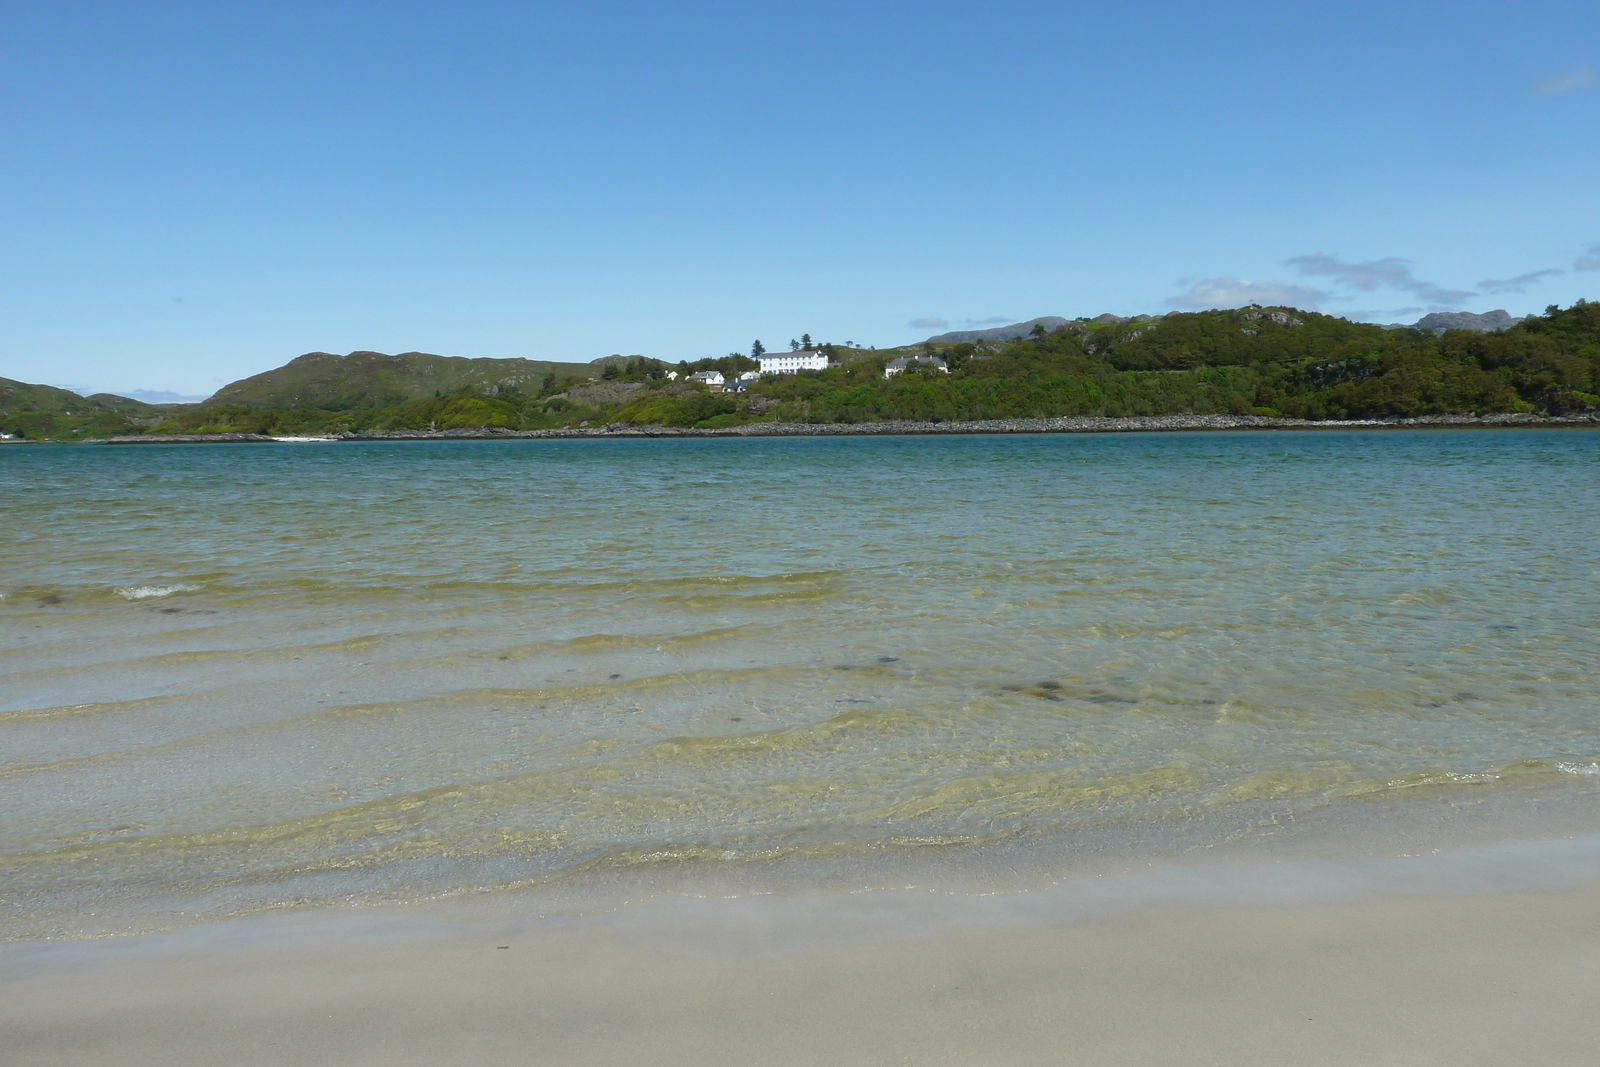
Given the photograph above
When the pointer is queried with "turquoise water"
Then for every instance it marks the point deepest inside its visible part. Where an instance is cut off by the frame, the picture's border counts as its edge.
(244, 677)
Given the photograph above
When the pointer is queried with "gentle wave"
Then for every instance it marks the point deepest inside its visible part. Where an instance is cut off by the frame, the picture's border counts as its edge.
(152, 592)
(556, 827)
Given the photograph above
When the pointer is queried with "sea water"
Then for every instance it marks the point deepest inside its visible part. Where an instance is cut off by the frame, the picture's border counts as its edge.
(245, 677)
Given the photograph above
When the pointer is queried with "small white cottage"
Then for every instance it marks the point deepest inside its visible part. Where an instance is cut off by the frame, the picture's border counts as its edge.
(899, 365)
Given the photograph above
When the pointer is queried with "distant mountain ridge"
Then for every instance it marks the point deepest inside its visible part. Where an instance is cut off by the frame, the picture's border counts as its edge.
(158, 396)
(1488, 322)
(999, 333)
(1438, 322)
(1024, 329)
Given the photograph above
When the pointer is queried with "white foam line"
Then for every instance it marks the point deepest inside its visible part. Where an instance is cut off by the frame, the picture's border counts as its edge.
(147, 592)
(773, 926)
(765, 926)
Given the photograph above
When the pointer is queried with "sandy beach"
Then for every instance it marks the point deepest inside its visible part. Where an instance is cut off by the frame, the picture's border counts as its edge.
(1488, 978)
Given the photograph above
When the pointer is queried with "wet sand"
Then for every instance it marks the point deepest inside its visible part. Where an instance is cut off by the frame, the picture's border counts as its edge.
(1509, 978)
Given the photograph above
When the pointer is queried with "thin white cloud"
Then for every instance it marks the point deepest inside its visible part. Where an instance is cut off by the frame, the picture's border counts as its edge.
(1590, 261)
(1573, 81)
(1364, 276)
(1519, 284)
(931, 322)
(1390, 272)
(1231, 292)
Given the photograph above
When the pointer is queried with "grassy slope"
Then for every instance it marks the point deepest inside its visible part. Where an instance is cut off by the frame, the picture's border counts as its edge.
(43, 411)
(318, 382)
(371, 379)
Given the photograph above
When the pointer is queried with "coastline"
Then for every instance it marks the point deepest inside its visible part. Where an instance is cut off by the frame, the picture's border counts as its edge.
(1480, 955)
(1085, 424)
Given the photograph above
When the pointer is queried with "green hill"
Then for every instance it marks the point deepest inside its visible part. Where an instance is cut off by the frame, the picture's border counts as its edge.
(316, 386)
(1249, 361)
(43, 411)
(364, 380)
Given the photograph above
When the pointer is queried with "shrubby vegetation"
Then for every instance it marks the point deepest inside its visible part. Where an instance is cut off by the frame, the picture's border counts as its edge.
(43, 412)
(1261, 361)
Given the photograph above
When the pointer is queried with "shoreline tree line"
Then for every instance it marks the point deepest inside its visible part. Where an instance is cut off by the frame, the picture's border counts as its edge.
(1248, 361)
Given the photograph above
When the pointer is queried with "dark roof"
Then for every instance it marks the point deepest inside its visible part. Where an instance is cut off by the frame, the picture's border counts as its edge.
(905, 361)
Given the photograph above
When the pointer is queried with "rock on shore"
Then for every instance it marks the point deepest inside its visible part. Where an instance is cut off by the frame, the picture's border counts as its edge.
(1133, 424)
(185, 439)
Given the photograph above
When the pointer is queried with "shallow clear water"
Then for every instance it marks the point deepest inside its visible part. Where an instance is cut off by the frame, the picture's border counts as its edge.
(237, 677)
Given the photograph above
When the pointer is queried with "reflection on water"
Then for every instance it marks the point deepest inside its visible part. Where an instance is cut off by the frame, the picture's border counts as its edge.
(235, 677)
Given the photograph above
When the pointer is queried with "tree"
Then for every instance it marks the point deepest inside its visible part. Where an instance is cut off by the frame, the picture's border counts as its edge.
(1038, 330)
(757, 349)
(805, 340)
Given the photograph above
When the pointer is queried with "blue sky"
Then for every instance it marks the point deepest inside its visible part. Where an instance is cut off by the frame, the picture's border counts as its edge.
(190, 193)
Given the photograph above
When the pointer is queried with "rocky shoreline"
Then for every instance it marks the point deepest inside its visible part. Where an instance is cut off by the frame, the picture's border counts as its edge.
(1136, 424)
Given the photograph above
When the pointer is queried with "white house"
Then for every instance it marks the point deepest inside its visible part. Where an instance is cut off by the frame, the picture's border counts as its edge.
(708, 377)
(791, 362)
(898, 365)
(749, 376)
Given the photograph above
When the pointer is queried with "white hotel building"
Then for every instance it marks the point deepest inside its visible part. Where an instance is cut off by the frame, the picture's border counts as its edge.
(790, 362)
